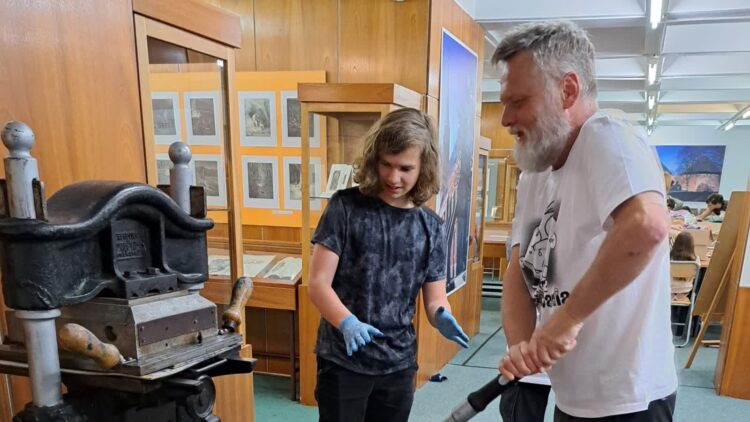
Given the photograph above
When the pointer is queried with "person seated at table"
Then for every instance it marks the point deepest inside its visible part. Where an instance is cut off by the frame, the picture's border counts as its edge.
(715, 207)
(683, 249)
(680, 212)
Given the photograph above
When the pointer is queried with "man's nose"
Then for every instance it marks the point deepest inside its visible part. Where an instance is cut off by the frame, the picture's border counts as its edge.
(508, 117)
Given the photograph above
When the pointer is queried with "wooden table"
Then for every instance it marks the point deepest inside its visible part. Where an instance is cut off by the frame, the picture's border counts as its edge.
(268, 293)
(494, 248)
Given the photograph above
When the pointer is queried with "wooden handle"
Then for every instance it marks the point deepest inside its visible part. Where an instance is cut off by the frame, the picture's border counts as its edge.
(77, 339)
(242, 290)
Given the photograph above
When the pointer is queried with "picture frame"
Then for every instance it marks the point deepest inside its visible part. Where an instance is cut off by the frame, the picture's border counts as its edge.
(257, 118)
(291, 130)
(293, 183)
(260, 181)
(163, 165)
(202, 118)
(209, 172)
(338, 178)
(166, 124)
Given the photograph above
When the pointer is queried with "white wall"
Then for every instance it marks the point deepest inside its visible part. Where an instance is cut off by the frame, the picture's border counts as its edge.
(736, 173)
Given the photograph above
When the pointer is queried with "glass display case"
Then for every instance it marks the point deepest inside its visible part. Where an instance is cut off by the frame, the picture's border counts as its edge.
(350, 110)
(502, 177)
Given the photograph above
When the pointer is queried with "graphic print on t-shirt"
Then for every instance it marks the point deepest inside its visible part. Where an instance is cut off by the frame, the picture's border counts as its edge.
(537, 263)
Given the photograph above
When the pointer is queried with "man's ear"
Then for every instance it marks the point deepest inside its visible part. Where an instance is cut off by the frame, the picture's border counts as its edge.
(571, 89)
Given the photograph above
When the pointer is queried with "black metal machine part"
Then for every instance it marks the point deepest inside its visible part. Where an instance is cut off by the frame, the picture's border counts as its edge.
(120, 239)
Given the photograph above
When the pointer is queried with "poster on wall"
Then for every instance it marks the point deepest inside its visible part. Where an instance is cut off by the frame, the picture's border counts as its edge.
(209, 173)
(163, 165)
(257, 118)
(291, 120)
(458, 106)
(293, 183)
(695, 170)
(202, 118)
(260, 181)
(166, 110)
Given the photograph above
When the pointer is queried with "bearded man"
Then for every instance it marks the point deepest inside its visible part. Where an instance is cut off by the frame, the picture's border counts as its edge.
(586, 294)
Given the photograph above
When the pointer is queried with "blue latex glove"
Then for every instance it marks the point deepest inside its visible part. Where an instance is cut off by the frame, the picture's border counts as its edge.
(449, 328)
(357, 333)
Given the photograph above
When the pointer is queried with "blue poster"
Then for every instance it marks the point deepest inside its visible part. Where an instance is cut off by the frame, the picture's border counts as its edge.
(695, 170)
(458, 109)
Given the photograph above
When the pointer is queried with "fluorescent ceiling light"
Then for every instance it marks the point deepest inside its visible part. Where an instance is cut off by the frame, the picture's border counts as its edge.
(651, 102)
(746, 114)
(651, 73)
(650, 130)
(729, 125)
(650, 120)
(655, 13)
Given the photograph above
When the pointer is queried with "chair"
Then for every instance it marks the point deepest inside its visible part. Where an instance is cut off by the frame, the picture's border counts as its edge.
(684, 274)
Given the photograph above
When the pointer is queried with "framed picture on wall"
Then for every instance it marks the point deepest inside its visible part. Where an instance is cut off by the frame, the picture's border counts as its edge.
(257, 118)
(260, 181)
(293, 183)
(208, 171)
(166, 110)
(291, 114)
(163, 164)
(202, 118)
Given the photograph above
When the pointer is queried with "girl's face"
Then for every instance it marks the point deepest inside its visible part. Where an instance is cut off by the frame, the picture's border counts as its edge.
(397, 175)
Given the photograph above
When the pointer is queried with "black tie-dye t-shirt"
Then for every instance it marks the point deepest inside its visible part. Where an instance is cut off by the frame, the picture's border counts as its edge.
(385, 255)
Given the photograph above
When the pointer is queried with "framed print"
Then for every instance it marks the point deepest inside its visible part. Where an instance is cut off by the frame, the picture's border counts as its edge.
(163, 165)
(166, 110)
(202, 118)
(291, 114)
(208, 171)
(261, 182)
(257, 118)
(293, 183)
(338, 178)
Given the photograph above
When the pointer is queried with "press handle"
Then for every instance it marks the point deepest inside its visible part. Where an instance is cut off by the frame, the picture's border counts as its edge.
(77, 339)
(242, 290)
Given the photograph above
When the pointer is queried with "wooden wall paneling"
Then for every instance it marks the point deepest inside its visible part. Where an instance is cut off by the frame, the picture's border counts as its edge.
(492, 127)
(83, 108)
(447, 14)
(384, 41)
(197, 16)
(234, 394)
(245, 55)
(477, 274)
(435, 351)
(297, 35)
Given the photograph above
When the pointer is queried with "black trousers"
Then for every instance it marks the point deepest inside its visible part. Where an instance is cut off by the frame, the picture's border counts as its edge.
(346, 396)
(658, 411)
(524, 402)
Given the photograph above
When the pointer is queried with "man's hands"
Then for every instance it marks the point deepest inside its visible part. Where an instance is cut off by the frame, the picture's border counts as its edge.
(548, 343)
(449, 328)
(357, 333)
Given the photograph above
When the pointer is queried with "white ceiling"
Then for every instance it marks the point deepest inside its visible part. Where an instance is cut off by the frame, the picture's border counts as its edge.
(701, 48)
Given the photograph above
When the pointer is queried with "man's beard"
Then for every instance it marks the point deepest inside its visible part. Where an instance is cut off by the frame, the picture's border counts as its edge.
(543, 143)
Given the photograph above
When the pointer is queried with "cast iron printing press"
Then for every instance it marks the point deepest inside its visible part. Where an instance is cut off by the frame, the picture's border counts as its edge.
(111, 272)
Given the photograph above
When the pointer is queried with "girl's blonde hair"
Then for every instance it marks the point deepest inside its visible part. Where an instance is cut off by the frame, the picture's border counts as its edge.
(396, 132)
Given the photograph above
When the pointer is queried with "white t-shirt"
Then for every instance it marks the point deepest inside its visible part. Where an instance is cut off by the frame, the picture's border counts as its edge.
(624, 357)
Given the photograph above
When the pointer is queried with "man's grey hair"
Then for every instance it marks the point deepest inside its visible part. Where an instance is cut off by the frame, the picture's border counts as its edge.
(557, 48)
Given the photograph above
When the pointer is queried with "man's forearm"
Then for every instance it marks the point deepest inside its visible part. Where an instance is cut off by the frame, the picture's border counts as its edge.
(519, 313)
(624, 254)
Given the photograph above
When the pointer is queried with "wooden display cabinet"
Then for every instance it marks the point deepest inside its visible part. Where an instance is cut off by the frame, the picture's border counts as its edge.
(350, 110)
(186, 81)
